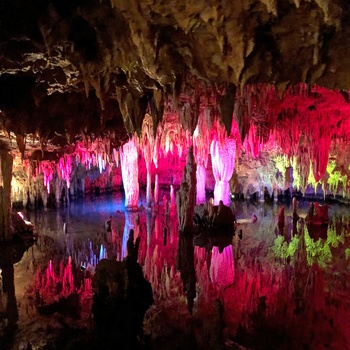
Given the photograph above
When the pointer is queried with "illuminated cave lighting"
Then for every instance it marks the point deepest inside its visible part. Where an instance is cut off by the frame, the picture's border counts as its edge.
(314, 141)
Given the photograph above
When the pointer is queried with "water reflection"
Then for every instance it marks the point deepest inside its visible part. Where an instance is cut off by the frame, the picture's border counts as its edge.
(284, 287)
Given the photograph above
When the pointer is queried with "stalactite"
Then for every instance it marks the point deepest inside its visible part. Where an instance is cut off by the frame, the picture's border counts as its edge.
(64, 168)
(129, 164)
(21, 143)
(173, 136)
(47, 168)
(156, 104)
(320, 155)
(226, 104)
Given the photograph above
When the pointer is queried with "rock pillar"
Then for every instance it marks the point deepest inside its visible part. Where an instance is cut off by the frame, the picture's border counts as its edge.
(5, 195)
(186, 196)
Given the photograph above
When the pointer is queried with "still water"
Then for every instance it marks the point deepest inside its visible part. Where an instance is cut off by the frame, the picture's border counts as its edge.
(268, 288)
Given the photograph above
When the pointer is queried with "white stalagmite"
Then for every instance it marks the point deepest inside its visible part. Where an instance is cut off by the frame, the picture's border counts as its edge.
(223, 157)
(129, 166)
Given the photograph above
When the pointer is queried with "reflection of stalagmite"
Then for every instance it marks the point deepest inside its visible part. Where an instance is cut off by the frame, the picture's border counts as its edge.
(281, 219)
(185, 263)
(221, 270)
(129, 166)
(130, 224)
(186, 196)
(295, 207)
(9, 290)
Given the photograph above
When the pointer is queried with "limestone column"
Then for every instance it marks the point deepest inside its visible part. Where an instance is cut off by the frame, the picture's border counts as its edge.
(186, 196)
(5, 195)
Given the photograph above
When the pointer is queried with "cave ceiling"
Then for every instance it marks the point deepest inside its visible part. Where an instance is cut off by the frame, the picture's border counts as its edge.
(69, 67)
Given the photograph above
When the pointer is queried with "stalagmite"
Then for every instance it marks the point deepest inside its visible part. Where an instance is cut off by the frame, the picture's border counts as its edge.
(186, 196)
(129, 165)
(223, 161)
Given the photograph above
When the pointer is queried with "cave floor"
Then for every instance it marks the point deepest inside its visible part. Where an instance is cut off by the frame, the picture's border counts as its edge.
(269, 289)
